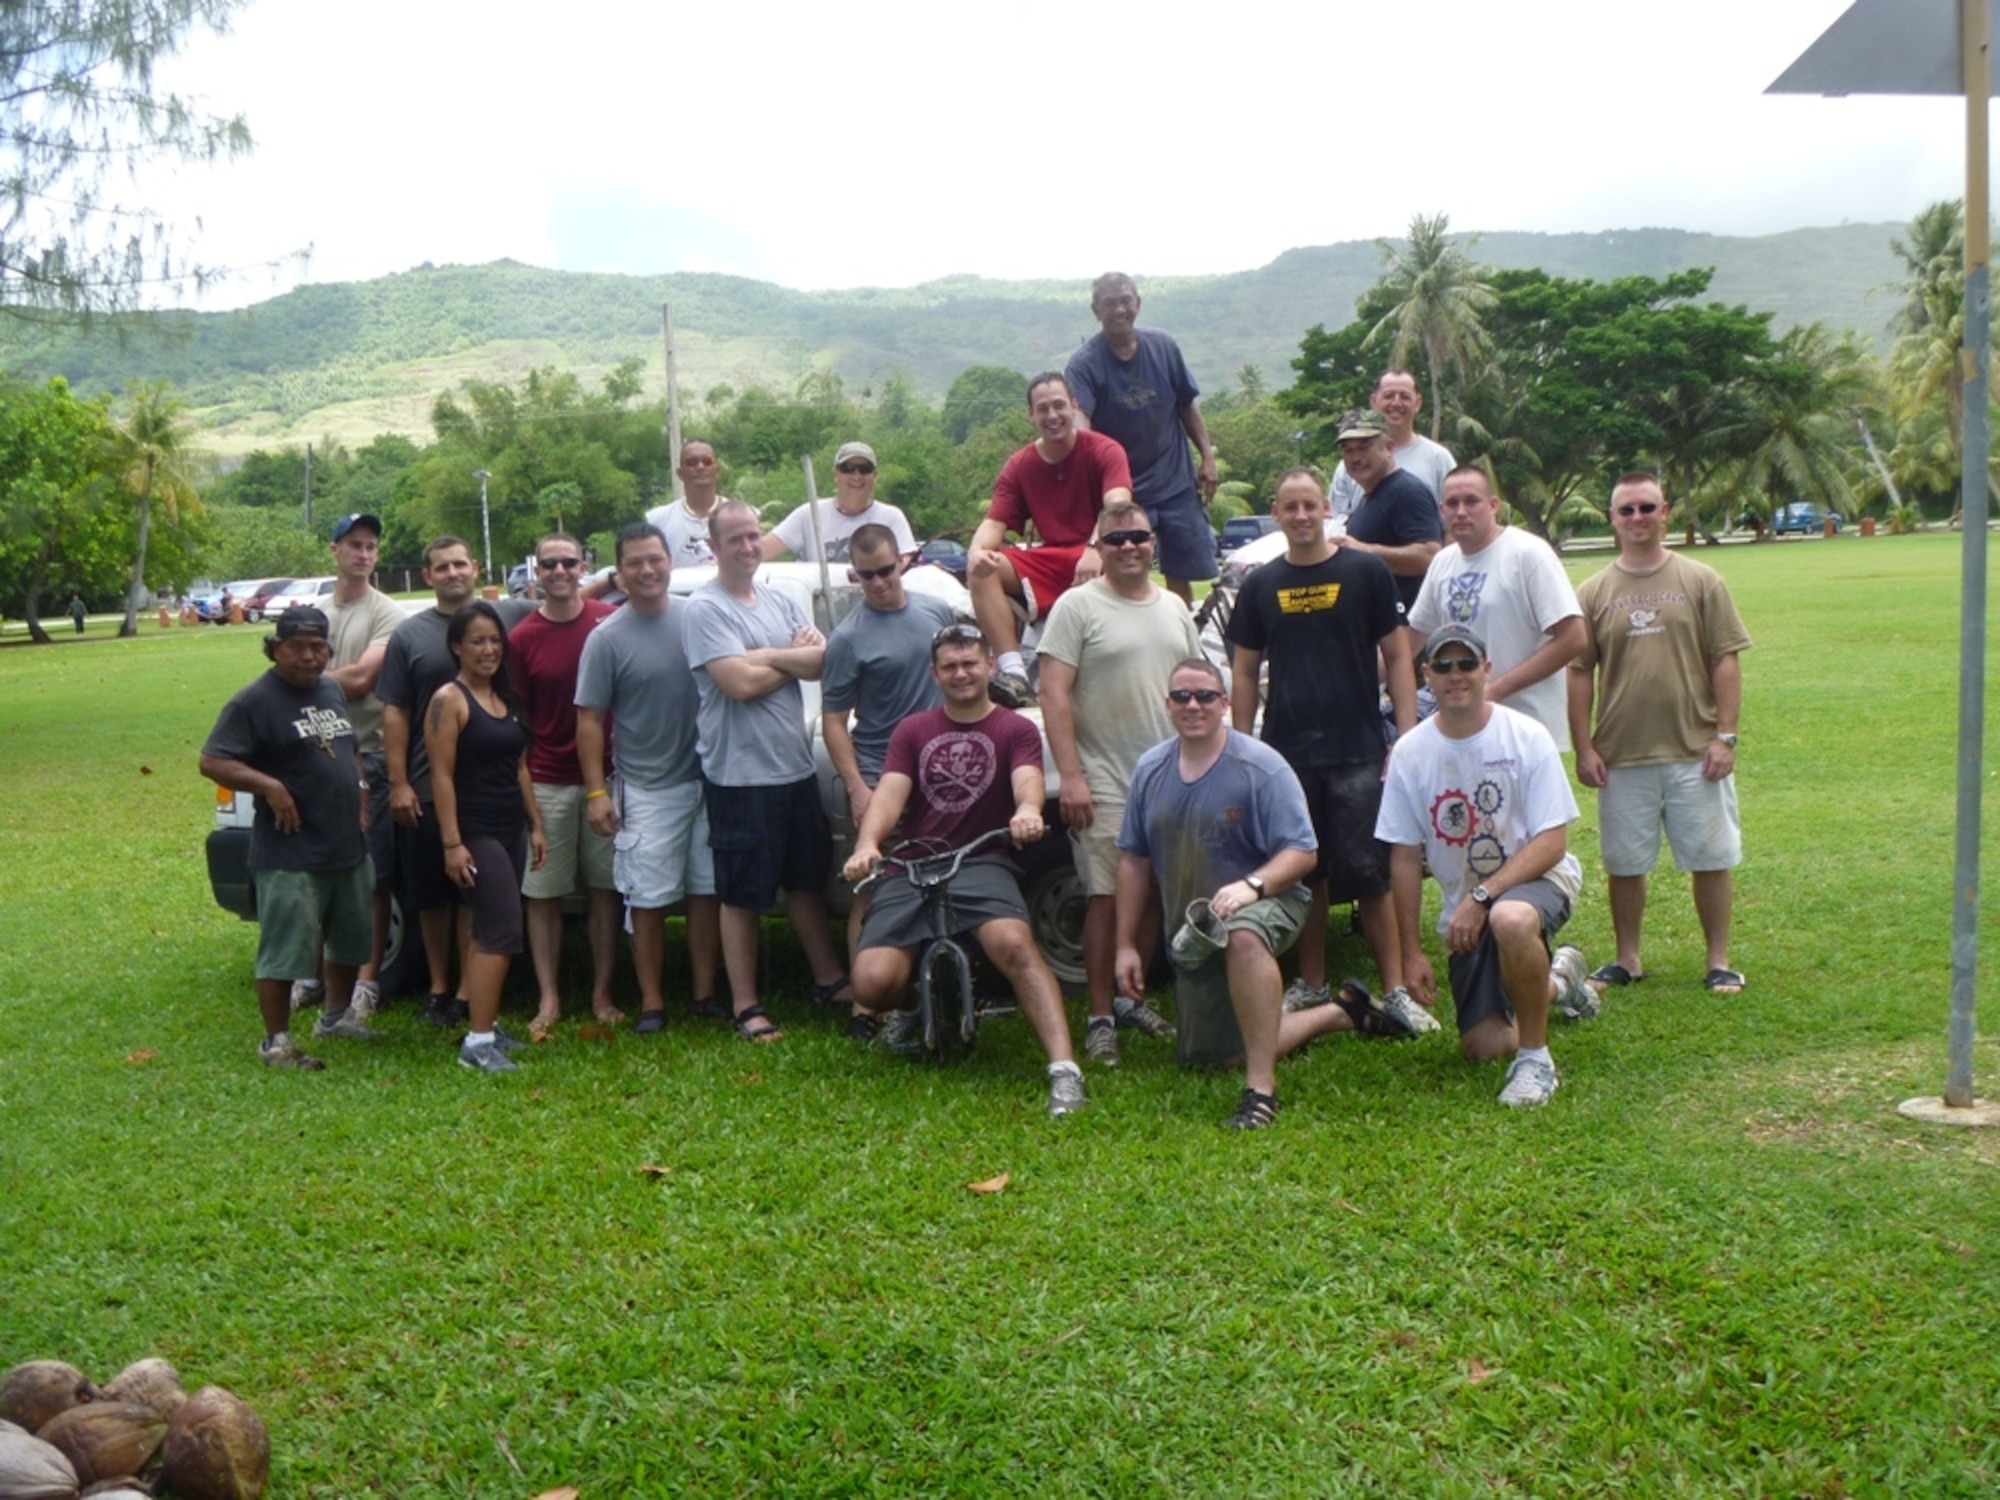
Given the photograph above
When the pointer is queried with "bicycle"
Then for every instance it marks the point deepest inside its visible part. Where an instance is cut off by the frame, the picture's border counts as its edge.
(930, 874)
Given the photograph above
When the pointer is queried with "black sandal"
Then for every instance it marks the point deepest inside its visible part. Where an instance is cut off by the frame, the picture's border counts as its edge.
(1368, 1017)
(861, 1027)
(744, 1021)
(1253, 1111)
(706, 1008)
(827, 996)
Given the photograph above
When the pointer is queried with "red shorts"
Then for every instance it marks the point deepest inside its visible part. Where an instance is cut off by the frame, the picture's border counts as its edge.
(1046, 573)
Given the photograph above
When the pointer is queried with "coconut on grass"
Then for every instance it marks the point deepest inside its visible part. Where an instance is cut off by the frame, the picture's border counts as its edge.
(31, 1469)
(152, 1382)
(34, 1393)
(217, 1448)
(106, 1439)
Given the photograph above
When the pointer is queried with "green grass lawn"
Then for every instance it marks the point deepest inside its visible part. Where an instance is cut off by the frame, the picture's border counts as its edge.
(1718, 1263)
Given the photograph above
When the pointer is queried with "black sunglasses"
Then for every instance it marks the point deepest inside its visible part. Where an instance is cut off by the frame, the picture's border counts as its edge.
(550, 564)
(865, 574)
(1638, 510)
(1203, 696)
(1125, 538)
(959, 633)
(1465, 664)
(855, 468)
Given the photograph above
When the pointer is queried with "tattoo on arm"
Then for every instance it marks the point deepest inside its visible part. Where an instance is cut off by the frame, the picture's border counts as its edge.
(437, 712)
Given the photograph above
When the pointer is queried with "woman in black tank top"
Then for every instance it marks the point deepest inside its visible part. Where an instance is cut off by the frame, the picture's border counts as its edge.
(487, 817)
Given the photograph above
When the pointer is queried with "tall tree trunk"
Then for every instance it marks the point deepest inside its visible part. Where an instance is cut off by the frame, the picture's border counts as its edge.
(138, 591)
(31, 597)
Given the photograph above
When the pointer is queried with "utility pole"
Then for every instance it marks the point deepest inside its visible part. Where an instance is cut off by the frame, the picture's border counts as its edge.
(485, 525)
(673, 403)
(309, 487)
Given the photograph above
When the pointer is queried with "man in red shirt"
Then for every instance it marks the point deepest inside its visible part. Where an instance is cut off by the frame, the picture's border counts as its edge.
(543, 652)
(1059, 483)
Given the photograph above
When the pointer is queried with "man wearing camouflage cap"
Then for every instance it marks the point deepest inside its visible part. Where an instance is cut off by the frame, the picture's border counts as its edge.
(1398, 519)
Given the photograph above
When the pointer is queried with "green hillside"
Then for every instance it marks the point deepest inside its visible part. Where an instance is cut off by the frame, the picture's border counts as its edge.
(351, 360)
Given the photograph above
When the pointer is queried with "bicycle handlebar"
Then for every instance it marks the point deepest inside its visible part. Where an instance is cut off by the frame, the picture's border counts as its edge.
(924, 870)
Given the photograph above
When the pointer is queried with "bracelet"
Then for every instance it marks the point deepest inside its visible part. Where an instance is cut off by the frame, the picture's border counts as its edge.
(600, 792)
(454, 846)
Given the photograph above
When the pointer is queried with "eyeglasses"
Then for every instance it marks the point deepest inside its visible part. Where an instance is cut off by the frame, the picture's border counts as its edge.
(867, 574)
(1645, 509)
(958, 633)
(550, 564)
(855, 468)
(1466, 664)
(1203, 696)
(1125, 538)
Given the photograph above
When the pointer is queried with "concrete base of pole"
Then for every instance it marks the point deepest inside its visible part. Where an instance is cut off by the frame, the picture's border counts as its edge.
(1934, 1111)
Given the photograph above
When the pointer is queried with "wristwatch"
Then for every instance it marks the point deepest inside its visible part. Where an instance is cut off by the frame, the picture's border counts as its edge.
(1483, 896)
(1256, 884)
(1728, 739)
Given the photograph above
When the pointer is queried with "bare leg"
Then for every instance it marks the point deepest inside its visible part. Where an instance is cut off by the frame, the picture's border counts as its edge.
(274, 1004)
(1714, 903)
(485, 975)
(604, 908)
(649, 954)
(545, 948)
(1378, 926)
(372, 970)
(435, 923)
(1311, 946)
(991, 609)
(1182, 590)
(1011, 946)
(339, 987)
(704, 940)
(1524, 969)
(740, 931)
(1256, 993)
(881, 978)
(1301, 1026)
(1628, 911)
(807, 911)
(1100, 948)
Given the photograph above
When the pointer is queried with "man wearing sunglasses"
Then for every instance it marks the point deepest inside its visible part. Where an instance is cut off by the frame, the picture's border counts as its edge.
(852, 507)
(1479, 793)
(1057, 485)
(1659, 667)
(1218, 819)
(543, 653)
(1107, 647)
(1133, 385)
(684, 522)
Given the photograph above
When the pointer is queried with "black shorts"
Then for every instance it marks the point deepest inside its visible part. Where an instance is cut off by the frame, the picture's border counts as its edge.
(767, 839)
(420, 864)
(494, 897)
(1476, 991)
(381, 825)
(1344, 802)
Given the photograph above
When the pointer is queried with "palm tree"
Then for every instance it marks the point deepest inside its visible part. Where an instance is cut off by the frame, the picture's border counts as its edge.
(1805, 401)
(1930, 323)
(151, 456)
(1441, 296)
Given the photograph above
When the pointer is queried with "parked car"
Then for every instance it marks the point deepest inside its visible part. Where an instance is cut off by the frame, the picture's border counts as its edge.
(1803, 518)
(313, 591)
(208, 605)
(1240, 529)
(521, 582)
(258, 604)
(943, 552)
(1054, 896)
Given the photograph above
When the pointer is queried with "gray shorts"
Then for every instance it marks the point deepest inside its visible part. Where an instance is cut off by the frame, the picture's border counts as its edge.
(1476, 992)
(984, 891)
(1699, 816)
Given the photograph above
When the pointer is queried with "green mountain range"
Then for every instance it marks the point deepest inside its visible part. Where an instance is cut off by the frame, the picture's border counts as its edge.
(350, 360)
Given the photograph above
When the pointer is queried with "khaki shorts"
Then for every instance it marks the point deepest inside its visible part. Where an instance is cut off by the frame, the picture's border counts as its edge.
(578, 855)
(1095, 849)
(661, 848)
(1699, 817)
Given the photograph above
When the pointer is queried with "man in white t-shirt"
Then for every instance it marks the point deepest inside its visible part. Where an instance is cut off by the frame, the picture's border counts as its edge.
(1479, 792)
(1397, 398)
(852, 507)
(684, 522)
(1508, 585)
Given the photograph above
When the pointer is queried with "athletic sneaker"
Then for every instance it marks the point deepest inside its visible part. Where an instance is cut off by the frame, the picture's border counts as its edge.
(1140, 1017)
(902, 1033)
(1065, 1093)
(491, 1058)
(308, 993)
(1010, 690)
(1302, 996)
(1575, 1000)
(446, 1011)
(278, 1052)
(367, 999)
(1100, 1043)
(344, 1024)
(506, 1041)
(1398, 1006)
(1529, 1081)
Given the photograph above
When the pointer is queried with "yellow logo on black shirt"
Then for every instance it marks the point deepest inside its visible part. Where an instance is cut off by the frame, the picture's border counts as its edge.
(1308, 599)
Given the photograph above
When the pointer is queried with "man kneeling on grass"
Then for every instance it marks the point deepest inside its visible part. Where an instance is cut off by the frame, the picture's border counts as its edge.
(1480, 791)
(962, 770)
(287, 740)
(1220, 820)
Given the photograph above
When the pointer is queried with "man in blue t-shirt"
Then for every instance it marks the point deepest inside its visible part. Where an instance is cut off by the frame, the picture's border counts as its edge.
(1132, 385)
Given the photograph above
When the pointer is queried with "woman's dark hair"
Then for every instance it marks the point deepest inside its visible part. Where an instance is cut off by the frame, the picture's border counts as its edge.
(461, 622)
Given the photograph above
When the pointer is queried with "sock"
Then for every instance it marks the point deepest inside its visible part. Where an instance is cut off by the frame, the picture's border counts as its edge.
(479, 1039)
(1104, 1020)
(1536, 1054)
(1122, 1006)
(277, 1041)
(1010, 661)
(1065, 1067)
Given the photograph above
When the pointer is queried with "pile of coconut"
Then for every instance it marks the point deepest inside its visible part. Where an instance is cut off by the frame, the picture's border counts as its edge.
(138, 1436)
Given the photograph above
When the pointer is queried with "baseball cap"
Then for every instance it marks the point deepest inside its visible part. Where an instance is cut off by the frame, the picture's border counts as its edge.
(1454, 635)
(360, 518)
(853, 450)
(1362, 423)
(302, 620)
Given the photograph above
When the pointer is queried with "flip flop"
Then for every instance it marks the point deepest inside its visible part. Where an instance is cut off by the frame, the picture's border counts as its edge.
(1615, 976)
(1724, 982)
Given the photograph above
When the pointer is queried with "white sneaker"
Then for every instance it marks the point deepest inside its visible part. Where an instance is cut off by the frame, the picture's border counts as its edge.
(1302, 996)
(308, 994)
(1399, 1004)
(1530, 1081)
(1065, 1093)
(344, 1025)
(367, 999)
(1575, 1000)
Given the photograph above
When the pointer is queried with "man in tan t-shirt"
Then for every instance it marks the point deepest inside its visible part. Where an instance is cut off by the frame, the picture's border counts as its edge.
(1659, 666)
(1106, 653)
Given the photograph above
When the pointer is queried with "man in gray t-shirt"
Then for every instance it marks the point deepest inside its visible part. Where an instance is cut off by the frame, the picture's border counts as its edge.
(751, 646)
(634, 680)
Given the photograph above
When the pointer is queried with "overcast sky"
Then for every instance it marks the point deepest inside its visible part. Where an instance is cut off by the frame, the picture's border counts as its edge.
(881, 143)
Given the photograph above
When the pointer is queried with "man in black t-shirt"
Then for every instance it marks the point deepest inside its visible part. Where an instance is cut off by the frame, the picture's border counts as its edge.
(1320, 615)
(287, 740)
(1399, 521)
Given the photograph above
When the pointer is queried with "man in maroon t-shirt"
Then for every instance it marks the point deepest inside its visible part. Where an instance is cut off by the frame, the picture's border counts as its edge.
(967, 768)
(1060, 482)
(543, 651)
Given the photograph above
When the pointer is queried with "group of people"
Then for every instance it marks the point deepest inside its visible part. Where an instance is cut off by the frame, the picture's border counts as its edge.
(496, 757)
